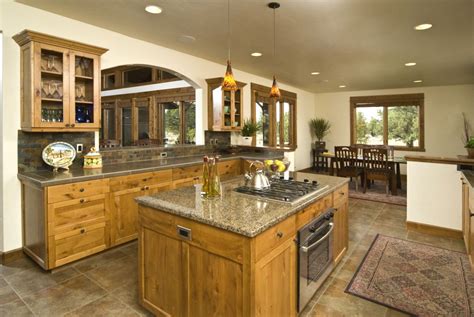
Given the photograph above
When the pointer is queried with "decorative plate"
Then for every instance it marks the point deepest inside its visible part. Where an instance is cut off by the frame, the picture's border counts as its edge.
(59, 155)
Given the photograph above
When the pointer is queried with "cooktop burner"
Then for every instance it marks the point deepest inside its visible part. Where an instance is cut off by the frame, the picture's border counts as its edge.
(289, 191)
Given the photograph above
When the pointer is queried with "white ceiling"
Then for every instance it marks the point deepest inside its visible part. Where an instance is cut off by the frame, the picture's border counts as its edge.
(362, 44)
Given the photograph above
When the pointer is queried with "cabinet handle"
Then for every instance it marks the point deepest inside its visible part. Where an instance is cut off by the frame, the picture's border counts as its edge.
(342, 194)
(67, 125)
(83, 230)
(82, 201)
(279, 234)
(147, 187)
(73, 125)
(81, 190)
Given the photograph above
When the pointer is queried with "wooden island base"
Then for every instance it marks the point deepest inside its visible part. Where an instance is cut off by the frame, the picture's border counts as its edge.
(220, 273)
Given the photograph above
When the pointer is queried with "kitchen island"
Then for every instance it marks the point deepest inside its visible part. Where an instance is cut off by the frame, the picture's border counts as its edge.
(233, 256)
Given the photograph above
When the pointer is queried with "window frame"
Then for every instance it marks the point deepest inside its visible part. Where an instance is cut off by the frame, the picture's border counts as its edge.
(386, 101)
(259, 92)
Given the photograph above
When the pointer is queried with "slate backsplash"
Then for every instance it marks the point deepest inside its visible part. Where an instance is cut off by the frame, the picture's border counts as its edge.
(31, 145)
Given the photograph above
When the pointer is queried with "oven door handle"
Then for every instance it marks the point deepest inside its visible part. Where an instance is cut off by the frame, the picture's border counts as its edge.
(306, 249)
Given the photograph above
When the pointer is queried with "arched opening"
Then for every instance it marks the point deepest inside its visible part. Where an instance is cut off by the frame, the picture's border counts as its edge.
(144, 105)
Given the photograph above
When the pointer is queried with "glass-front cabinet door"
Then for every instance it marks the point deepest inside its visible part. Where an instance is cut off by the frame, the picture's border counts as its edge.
(85, 89)
(237, 115)
(51, 97)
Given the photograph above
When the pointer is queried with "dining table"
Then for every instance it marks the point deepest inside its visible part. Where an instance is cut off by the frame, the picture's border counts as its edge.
(394, 163)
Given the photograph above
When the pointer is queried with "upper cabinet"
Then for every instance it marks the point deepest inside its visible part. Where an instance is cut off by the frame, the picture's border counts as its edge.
(60, 84)
(225, 108)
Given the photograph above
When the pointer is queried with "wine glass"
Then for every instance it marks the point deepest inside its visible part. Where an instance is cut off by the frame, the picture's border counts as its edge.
(53, 65)
(56, 94)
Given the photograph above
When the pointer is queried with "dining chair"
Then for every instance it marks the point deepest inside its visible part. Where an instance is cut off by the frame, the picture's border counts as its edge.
(376, 166)
(348, 165)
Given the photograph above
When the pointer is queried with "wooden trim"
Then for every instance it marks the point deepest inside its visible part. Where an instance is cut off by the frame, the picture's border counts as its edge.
(27, 36)
(266, 90)
(180, 93)
(10, 256)
(386, 101)
(434, 230)
(440, 159)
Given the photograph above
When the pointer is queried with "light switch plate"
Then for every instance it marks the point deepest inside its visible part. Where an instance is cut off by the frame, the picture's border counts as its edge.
(79, 147)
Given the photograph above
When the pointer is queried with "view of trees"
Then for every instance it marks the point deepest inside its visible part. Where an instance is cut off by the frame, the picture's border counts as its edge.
(402, 129)
(172, 123)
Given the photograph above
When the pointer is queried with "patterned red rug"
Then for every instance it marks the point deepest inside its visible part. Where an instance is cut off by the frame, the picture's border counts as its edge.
(415, 278)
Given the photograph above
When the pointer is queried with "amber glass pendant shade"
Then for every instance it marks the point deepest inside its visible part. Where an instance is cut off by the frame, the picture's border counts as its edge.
(275, 91)
(229, 83)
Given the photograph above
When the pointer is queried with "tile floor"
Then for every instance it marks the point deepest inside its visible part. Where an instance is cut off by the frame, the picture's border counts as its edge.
(105, 284)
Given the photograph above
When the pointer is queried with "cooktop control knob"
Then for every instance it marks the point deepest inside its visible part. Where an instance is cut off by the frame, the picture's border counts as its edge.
(306, 180)
(315, 183)
(286, 198)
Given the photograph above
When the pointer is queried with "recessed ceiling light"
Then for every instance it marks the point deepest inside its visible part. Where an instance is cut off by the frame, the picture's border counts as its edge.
(418, 81)
(424, 26)
(256, 54)
(342, 86)
(315, 73)
(153, 9)
(410, 64)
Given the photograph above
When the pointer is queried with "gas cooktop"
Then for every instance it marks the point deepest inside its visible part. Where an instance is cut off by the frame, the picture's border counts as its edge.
(289, 191)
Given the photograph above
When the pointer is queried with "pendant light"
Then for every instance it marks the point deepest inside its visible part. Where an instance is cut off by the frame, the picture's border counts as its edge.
(275, 91)
(228, 83)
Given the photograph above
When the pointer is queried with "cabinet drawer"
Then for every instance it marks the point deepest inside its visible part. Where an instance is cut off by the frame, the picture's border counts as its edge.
(273, 237)
(187, 172)
(76, 213)
(77, 190)
(78, 243)
(228, 169)
(341, 195)
(312, 211)
(139, 180)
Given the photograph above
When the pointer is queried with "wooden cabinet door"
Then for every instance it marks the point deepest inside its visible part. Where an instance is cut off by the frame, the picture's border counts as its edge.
(275, 282)
(162, 278)
(466, 217)
(215, 284)
(186, 182)
(84, 90)
(340, 236)
(124, 214)
(51, 81)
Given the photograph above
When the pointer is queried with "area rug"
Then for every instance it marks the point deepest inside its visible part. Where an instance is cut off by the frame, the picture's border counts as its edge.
(376, 192)
(415, 278)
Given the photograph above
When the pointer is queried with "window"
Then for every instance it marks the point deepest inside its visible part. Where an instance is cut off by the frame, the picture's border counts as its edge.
(277, 118)
(395, 120)
(179, 122)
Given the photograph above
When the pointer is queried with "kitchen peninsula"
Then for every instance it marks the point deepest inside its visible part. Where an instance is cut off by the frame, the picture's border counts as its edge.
(236, 255)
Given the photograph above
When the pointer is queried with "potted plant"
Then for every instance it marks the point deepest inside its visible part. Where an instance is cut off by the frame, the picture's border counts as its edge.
(320, 128)
(249, 129)
(470, 148)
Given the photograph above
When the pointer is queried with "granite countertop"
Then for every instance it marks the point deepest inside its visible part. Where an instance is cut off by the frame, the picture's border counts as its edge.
(459, 160)
(469, 175)
(236, 212)
(78, 174)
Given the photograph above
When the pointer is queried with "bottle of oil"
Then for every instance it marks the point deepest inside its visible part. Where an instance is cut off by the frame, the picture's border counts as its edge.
(205, 177)
(214, 179)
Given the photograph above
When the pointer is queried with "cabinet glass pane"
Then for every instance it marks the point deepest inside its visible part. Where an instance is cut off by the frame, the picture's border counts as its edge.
(107, 131)
(84, 89)
(171, 123)
(143, 123)
(190, 122)
(84, 67)
(286, 123)
(227, 109)
(263, 119)
(126, 126)
(238, 109)
(51, 86)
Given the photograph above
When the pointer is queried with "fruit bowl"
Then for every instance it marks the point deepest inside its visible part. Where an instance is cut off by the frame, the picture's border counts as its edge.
(276, 167)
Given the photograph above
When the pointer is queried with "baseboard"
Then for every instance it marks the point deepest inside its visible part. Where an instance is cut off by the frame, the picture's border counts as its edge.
(434, 230)
(10, 256)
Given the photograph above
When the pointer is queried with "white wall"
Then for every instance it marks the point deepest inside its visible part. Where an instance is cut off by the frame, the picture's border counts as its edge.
(16, 17)
(443, 122)
(434, 195)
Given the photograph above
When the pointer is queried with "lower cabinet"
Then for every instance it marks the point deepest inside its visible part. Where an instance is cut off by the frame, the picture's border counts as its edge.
(468, 218)
(341, 226)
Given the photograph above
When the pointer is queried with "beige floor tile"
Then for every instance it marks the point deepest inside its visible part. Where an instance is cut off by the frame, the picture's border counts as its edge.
(95, 261)
(35, 279)
(104, 307)
(117, 273)
(64, 297)
(128, 294)
(16, 308)
(17, 266)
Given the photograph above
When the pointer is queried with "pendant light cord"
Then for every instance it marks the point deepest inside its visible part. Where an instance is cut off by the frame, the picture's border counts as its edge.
(228, 30)
(274, 36)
